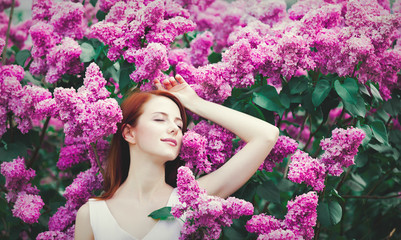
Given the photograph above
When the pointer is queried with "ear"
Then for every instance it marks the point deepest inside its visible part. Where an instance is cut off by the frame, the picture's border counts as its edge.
(129, 134)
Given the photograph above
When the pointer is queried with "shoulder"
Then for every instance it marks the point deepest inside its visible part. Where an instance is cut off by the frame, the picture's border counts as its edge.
(83, 228)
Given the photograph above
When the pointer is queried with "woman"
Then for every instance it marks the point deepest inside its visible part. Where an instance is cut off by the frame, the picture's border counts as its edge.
(154, 137)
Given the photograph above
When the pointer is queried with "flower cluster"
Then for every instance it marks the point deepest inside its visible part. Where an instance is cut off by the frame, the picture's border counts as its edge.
(193, 151)
(21, 101)
(304, 168)
(87, 113)
(298, 223)
(218, 146)
(27, 202)
(205, 215)
(341, 149)
(55, 51)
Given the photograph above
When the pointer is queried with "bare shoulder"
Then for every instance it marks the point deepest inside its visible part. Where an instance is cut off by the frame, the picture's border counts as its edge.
(83, 228)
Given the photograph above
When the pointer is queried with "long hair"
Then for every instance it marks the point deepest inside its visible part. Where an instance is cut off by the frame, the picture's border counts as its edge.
(118, 159)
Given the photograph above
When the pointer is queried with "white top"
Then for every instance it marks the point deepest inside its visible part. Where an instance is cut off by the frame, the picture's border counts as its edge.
(105, 226)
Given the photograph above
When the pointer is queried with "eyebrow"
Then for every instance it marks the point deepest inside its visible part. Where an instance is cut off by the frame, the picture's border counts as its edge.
(165, 114)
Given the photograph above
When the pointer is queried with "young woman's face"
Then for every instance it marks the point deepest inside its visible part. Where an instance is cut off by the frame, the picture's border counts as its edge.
(158, 130)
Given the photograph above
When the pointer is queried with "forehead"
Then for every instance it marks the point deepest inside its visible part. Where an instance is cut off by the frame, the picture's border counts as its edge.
(161, 104)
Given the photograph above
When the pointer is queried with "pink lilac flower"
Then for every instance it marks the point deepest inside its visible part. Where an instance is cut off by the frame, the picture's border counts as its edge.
(239, 64)
(219, 142)
(193, 151)
(263, 224)
(253, 32)
(178, 55)
(71, 155)
(205, 215)
(302, 215)
(304, 168)
(41, 9)
(340, 149)
(64, 217)
(105, 5)
(43, 39)
(15, 173)
(280, 234)
(67, 19)
(298, 10)
(27, 207)
(396, 8)
(2, 44)
(63, 59)
(268, 12)
(166, 31)
(200, 49)
(81, 189)
(4, 4)
(294, 129)
(51, 235)
(149, 62)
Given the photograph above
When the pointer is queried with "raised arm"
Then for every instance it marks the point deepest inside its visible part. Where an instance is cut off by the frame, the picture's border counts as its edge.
(259, 135)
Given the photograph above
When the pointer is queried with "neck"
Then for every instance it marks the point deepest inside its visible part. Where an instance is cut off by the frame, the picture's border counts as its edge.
(145, 177)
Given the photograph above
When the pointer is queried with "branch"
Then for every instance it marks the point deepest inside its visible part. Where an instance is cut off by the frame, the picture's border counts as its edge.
(37, 148)
(380, 181)
(3, 61)
(97, 158)
(372, 197)
(312, 134)
(343, 179)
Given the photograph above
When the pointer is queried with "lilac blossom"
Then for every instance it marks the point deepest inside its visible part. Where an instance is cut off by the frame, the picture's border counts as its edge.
(50, 235)
(41, 9)
(340, 149)
(43, 39)
(304, 168)
(205, 215)
(268, 12)
(178, 55)
(193, 151)
(64, 217)
(15, 173)
(67, 19)
(4, 4)
(263, 224)
(302, 7)
(279, 234)
(2, 44)
(27, 207)
(63, 59)
(302, 215)
(200, 49)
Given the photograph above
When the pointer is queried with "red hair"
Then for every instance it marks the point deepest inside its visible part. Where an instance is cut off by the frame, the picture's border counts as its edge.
(118, 159)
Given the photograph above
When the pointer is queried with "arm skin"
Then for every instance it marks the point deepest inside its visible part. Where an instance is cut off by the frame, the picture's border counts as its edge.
(83, 229)
(259, 135)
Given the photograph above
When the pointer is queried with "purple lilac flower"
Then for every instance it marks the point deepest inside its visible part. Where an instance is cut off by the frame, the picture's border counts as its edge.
(166, 31)
(63, 59)
(67, 19)
(51, 235)
(263, 224)
(2, 44)
(205, 215)
(280, 234)
(300, 8)
(178, 55)
(340, 149)
(200, 49)
(4, 4)
(149, 62)
(105, 5)
(81, 188)
(253, 32)
(63, 218)
(302, 215)
(41, 9)
(27, 207)
(71, 155)
(268, 12)
(43, 39)
(219, 142)
(283, 147)
(193, 151)
(15, 173)
(304, 168)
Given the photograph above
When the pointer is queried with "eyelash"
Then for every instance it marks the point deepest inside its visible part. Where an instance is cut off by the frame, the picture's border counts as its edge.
(161, 120)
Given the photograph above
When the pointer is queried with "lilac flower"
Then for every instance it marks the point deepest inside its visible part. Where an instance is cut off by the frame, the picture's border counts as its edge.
(268, 12)
(200, 49)
(205, 215)
(64, 217)
(43, 39)
(41, 9)
(149, 62)
(4, 4)
(27, 207)
(302, 215)
(166, 31)
(302, 7)
(95, 83)
(283, 147)
(105, 5)
(63, 59)
(263, 224)
(304, 168)
(178, 55)
(193, 151)
(15, 173)
(51, 235)
(71, 155)
(279, 234)
(340, 149)
(67, 19)
(81, 188)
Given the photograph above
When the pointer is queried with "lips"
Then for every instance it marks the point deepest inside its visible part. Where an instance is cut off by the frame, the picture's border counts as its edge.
(170, 141)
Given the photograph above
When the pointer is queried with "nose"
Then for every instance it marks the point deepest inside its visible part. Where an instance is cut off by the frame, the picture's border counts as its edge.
(173, 128)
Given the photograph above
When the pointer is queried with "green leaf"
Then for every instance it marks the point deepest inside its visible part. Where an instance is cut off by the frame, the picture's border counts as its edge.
(162, 214)
(14, 150)
(368, 134)
(321, 91)
(269, 191)
(375, 92)
(100, 15)
(347, 90)
(267, 97)
(358, 179)
(22, 56)
(88, 52)
(298, 85)
(353, 102)
(214, 57)
(379, 131)
(285, 100)
(93, 2)
(329, 214)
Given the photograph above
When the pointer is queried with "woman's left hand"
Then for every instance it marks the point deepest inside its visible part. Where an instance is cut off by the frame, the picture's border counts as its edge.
(179, 87)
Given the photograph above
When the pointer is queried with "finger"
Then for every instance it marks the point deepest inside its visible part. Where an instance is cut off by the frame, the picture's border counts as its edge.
(167, 84)
(173, 81)
(179, 78)
(158, 84)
